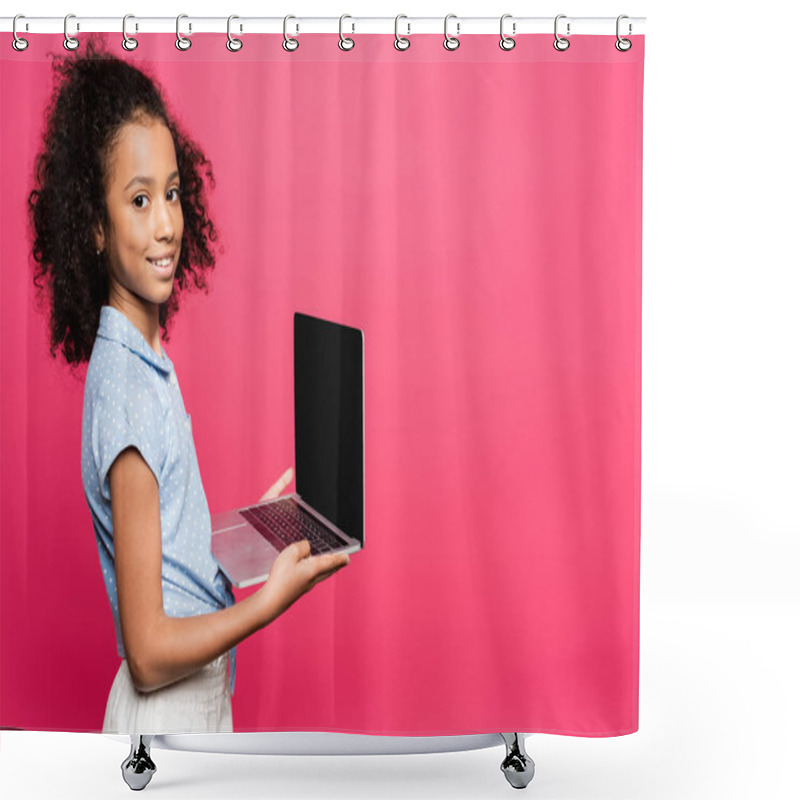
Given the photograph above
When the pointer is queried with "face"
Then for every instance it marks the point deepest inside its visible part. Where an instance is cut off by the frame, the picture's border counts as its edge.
(145, 217)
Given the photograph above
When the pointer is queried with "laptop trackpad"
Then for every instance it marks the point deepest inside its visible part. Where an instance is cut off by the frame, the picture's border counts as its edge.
(248, 556)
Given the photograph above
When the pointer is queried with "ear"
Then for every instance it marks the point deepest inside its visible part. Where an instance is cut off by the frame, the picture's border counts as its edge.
(99, 238)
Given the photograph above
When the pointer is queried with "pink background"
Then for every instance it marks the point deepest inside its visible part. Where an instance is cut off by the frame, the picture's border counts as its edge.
(478, 214)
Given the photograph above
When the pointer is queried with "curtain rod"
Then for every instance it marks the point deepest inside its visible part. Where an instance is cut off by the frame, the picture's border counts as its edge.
(407, 25)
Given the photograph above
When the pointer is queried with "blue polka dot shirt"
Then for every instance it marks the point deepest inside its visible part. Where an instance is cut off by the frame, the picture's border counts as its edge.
(132, 398)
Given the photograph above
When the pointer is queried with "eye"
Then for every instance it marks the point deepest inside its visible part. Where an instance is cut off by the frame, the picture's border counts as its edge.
(177, 191)
(139, 197)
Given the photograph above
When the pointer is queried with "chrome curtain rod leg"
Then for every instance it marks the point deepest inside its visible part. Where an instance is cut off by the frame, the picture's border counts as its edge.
(138, 768)
(517, 766)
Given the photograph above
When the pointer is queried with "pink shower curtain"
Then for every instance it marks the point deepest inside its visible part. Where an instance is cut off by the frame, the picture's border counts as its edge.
(478, 214)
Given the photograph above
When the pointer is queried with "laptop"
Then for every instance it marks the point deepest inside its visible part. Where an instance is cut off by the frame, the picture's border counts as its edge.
(328, 506)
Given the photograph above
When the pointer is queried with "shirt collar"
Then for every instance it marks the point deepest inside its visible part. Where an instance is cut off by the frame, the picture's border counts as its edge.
(116, 327)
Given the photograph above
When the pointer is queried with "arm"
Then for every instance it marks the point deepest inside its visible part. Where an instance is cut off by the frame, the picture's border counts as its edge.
(162, 649)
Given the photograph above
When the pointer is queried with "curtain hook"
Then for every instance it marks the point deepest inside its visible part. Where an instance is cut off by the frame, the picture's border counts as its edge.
(506, 42)
(70, 42)
(233, 44)
(18, 43)
(451, 42)
(182, 43)
(290, 43)
(401, 42)
(623, 45)
(345, 42)
(561, 43)
(128, 42)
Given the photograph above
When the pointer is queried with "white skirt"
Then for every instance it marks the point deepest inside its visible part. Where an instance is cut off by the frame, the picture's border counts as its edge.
(198, 703)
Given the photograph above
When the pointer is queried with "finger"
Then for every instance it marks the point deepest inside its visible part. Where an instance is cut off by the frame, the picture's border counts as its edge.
(282, 482)
(278, 486)
(299, 551)
(330, 570)
(326, 561)
(272, 492)
(331, 561)
(303, 549)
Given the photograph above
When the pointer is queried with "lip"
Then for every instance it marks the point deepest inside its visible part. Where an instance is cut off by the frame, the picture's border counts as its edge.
(167, 270)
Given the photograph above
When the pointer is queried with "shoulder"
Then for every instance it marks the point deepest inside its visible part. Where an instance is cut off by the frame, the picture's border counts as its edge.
(123, 407)
(118, 378)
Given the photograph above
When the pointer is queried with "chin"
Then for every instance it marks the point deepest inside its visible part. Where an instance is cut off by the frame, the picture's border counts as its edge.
(159, 298)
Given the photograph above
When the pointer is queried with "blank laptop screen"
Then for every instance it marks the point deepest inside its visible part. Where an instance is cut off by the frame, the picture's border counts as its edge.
(329, 420)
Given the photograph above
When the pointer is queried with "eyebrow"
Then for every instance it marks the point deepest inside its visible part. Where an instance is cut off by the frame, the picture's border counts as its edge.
(148, 181)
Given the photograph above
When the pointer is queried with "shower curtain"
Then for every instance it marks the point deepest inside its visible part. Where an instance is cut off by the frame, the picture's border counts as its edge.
(477, 213)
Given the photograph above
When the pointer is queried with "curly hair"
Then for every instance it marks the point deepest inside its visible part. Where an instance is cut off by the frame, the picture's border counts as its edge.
(96, 95)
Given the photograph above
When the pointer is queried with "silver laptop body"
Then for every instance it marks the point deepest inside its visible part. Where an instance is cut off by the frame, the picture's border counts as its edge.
(246, 554)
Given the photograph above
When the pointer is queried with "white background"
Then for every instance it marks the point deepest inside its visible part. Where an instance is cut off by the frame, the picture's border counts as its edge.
(720, 445)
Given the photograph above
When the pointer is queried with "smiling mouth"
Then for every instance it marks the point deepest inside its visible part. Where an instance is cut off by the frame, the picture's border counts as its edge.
(162, 263)
(165, 272)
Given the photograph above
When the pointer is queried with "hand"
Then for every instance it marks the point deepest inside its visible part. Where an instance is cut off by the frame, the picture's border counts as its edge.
(278, 486)
(294, 573)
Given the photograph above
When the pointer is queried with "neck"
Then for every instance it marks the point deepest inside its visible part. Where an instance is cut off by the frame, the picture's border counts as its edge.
(143, 315)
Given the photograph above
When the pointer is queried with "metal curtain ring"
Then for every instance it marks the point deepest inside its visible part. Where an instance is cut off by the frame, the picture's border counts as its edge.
(400, 42)
(506, 42)
(18, 43)
(289, 42)
(233, 44)
(345, 42)
(623, 45)
(182, 43)
(70, 43)
(561, 43)
(451, 42)
(128, 42)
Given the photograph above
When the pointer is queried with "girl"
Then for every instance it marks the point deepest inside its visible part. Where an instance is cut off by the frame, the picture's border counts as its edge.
(120, 230)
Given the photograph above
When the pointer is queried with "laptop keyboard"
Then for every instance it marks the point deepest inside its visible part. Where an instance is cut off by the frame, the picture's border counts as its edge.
(284, 522)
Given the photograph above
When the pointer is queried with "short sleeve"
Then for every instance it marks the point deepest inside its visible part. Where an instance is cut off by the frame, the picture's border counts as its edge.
(127, 413)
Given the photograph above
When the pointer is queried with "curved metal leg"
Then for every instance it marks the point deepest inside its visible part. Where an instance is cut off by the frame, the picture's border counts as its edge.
(138, 768)
(517, 766)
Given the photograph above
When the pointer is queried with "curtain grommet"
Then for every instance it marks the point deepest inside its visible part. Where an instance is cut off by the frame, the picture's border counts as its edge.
(623, 45)
(128, 42)
(345, 42)
(70, 42)
(451, 42)
(290, 43)
(17, 42)
(401, 42)
(233, 44)
(560, 43)
(182, 43)
(507, 42)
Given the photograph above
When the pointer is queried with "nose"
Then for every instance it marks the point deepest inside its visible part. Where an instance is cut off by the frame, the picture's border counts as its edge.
(165, 220)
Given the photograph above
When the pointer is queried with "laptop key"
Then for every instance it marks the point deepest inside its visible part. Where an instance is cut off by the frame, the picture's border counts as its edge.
(283, 523)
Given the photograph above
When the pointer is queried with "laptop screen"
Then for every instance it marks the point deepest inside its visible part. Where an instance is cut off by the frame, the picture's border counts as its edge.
(329, 420)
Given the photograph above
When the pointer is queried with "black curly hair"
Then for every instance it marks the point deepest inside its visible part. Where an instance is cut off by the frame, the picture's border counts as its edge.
(96, 95)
